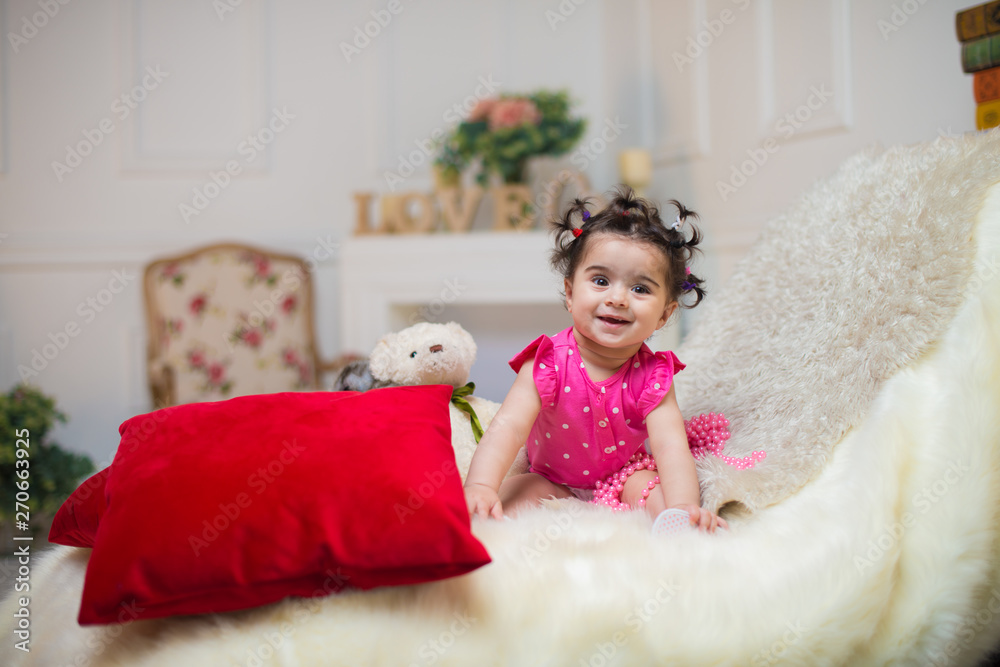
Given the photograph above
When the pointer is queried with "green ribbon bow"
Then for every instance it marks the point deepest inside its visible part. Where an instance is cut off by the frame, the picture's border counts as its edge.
(458, 398)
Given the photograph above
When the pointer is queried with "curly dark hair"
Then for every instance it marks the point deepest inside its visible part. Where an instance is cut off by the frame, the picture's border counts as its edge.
(637, 219)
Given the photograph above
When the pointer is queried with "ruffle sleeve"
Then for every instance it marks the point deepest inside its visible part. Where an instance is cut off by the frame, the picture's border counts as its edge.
(658, 381)
(544, 372)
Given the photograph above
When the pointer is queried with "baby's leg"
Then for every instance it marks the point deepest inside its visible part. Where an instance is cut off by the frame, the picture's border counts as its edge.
(636, 484)
(525, 490)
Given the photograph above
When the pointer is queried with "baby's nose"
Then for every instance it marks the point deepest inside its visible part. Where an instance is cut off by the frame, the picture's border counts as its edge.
(437, 348)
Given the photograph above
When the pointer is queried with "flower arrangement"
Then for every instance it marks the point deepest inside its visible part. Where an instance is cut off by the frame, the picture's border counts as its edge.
(503, 133)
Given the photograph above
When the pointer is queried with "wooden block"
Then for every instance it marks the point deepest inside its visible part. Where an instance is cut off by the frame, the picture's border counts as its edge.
(986, 85)
(993, 17)
(512, 208)
(980, 54)
(971, 23)
(396, 216)
(988, 115)
(362, 221)
(459, 206)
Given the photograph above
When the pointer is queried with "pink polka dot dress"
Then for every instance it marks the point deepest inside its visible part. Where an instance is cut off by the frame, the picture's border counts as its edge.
(585, 429)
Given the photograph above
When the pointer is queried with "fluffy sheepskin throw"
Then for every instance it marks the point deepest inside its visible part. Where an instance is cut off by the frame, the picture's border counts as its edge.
(887, 556)
(853, 283)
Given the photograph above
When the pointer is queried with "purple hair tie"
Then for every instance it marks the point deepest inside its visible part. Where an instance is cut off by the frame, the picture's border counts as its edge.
(586, 214)
(687, 285)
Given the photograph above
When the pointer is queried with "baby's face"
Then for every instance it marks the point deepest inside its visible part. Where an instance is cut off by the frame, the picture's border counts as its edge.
(619, 295)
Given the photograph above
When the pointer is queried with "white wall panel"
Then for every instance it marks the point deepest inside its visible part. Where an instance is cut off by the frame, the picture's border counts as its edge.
(195, 84)
(674, 60)
(805, 76)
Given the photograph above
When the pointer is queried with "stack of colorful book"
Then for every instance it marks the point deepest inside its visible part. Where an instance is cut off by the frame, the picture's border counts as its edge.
(979, 32)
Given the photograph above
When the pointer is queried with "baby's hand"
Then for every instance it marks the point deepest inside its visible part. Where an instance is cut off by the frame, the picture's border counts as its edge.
(703, 519)
(483, 501)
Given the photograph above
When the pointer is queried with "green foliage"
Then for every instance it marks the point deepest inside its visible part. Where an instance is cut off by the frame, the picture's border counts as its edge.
(53, 473)
(505, 150)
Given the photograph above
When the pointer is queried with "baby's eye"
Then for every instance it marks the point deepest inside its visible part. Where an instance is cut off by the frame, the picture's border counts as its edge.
(641, 289)
(413, 354)
(600, 281)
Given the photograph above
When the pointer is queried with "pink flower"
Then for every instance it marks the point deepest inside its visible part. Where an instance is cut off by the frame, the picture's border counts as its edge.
(291, 358)
(198, 304)
(288, 305)
(512, 112)
(482, 109)
(216, 372)
(196, 359)
(253, 338)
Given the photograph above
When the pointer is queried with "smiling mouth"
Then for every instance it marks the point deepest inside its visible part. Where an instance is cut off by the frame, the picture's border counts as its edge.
(616, 321)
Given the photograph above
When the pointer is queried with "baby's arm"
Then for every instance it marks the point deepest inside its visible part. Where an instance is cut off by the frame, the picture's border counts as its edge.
(499, 445)
(675, 464)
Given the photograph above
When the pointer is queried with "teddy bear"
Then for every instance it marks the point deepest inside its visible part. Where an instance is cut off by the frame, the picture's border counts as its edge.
(429, 353)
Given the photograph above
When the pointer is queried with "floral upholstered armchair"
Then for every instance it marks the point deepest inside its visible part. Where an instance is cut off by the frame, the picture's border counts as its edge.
(230, 320)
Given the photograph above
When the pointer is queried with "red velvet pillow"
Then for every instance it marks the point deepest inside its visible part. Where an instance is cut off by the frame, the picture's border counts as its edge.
(76, 522)
(243, 502)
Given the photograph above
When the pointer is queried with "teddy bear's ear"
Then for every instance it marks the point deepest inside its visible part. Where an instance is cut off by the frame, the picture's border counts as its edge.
(468, 344)
(380, 360)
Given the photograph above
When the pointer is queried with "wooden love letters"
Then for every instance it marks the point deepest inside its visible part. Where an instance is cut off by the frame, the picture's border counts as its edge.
(453, 208)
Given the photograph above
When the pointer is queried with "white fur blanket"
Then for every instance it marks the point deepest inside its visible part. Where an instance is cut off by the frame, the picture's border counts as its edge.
(858, 279)
(887, 556)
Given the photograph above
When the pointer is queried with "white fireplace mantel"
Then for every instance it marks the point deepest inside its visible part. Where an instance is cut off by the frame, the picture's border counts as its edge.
(386, 280)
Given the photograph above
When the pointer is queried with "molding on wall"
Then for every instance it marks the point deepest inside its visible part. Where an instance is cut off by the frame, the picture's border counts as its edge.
(137, 389)
(35, 250)
(387, 139)
(837, 45)
(136, 160)
(4, 96)
(678, 144)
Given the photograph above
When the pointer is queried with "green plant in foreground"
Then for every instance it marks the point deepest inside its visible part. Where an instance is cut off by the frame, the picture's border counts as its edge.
(26, 414)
